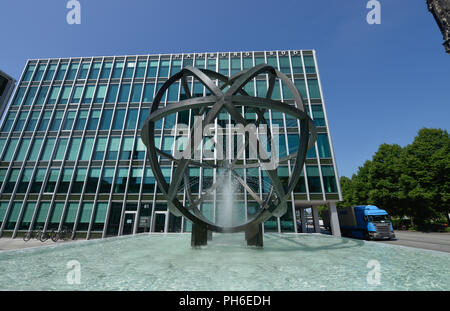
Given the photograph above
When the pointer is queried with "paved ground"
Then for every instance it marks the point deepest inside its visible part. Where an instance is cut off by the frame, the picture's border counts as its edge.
(18, 243)
(434, 241)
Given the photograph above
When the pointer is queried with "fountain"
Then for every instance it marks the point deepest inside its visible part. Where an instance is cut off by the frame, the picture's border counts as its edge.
(229, 96)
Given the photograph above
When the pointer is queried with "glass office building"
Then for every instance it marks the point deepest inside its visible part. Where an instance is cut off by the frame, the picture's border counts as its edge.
(71, 154)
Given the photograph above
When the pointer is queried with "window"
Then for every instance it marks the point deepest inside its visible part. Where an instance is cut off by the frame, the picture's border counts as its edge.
(34, 153)
(19, 96)
(164, 68)
(143, 116)
(100, 149)
(105, 124)
(52, 180)
(173, 91)
(148, 92)
(42, 95)
(50, 72)
(78, 182)
(42, 215)
(121, 180)
(40, 72)
(100, 216)
(2, 144)
(7, 156)
(235, 65)
(65, 95)
(45, 121)
(131, 119)
(61, 149)
(140, 70)
(261, 88)
(309, 64)
(212, 64)
(112, 93)
(57, 120)
(324, 146)
(38, 180)
(107, 180)
(140, 150)
(87, 149)
(82, 74)
(61, 72)
(135, 180)
(48, 149)
(74, 148)
(14, 215)
(285, 66)
(124, 93)
(318, 115)
(53, 95)
(65, 180)
(29, 72)
(176, 66)
(30, 96)
(149, 181)
(313, 87)
(129, 70)
(287, 94)
(136, 93)
(88, 94)
(92, 182)
(113, 150)
(93, 120)
(32, 121)
(71, 214)
(85, 217)
(127, 148)
(25, 181)
(272, 61)
(23, 149)
(55, 219)
(81, 120)
(329, 181)
(76, 96)
(118, 68)
(293, 140)
(21, 121)
(95, 70)
(297, 65)
(152, 67)
(168, 144)
(313, 179)
(13, 177)
(301, 87)
(119, 119)
(100, 94)
(9, 120)
(223, 66)
(68, 121)
(106, 71)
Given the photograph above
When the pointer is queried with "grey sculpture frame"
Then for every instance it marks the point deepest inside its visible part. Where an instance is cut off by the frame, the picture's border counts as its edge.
(275, 203)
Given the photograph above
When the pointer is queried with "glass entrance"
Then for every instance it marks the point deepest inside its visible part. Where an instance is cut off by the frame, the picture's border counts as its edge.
(159, 224)
(128, 223)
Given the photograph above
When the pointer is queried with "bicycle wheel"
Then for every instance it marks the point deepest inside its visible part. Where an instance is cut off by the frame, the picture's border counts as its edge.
(38, 235)
(55, 236)
(27, 236)
(44, 236)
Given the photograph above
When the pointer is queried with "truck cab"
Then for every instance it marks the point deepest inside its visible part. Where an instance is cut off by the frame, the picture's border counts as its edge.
(374, 222)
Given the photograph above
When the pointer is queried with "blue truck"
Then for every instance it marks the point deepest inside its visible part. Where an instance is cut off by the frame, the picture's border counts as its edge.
(364, 222)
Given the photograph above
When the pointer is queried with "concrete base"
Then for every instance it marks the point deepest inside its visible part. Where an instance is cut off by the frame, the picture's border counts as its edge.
(303, 220)
(209, 235)
(254, 235)
(334, 220)
(199, 235)
(315, 214)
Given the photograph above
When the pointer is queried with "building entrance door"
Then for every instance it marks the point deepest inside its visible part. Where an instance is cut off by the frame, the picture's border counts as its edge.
(160, 222)
(128, 224)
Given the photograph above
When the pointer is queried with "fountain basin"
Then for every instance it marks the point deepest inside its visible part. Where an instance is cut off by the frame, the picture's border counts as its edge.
(167, 262)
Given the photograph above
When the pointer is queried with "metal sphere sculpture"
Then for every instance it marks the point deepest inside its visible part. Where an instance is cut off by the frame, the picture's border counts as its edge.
(229, 94)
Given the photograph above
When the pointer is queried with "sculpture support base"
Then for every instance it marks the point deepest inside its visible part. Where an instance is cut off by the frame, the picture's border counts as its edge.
(254, 235)
(209, 235)
(199, 235)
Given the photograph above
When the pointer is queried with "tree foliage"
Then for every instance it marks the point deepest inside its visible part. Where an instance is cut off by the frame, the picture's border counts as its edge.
(412, 181)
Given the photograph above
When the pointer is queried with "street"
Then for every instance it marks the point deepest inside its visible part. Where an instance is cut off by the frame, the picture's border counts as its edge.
(434, 240)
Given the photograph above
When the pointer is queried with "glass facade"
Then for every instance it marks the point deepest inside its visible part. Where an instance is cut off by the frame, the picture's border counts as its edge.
(71, 154)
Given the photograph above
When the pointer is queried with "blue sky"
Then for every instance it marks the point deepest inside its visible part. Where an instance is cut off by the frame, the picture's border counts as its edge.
(381, 83)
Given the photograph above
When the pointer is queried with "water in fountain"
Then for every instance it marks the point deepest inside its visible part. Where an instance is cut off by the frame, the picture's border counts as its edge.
(227, 208)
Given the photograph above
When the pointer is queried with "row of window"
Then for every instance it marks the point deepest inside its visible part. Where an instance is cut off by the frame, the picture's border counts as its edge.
(90, 148)
(93, 180)
(137, 69)
(144, 92)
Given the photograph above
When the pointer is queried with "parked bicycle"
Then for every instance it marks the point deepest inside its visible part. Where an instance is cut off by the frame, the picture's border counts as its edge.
(33, 234)
(64, 235)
